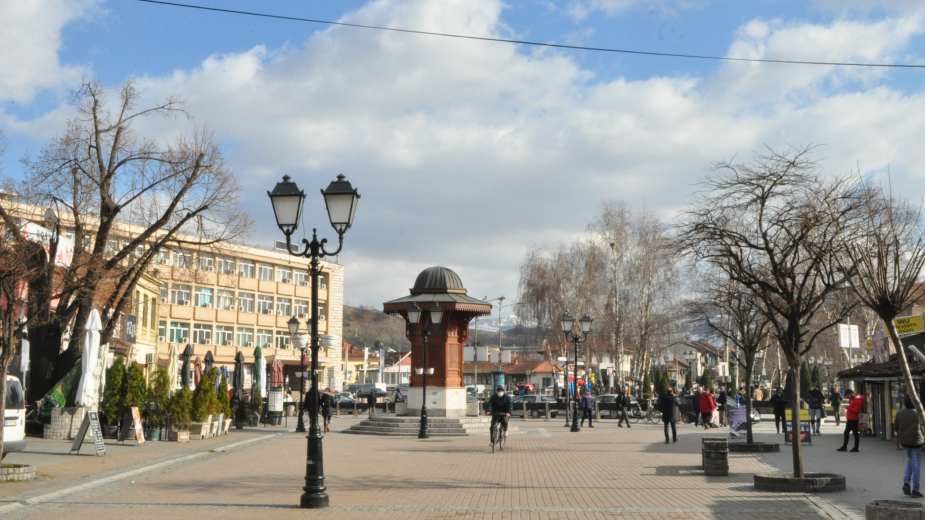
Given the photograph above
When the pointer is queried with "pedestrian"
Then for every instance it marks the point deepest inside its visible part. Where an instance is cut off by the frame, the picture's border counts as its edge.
(587, 403)
(707, 407)
(371, 402)
(910, 437)
(835, 399)
(326, 404)
(695, 405)
(623, 402)
(852, 417)
(816, 401)
(721, 405)
(779, 405)
(668, 404)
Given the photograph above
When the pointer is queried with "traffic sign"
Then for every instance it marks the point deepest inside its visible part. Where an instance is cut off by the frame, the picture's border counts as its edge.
(909, 325)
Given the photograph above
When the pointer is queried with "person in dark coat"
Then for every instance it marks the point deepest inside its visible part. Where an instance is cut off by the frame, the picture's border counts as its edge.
(695, 406)
(671, 410)
(623, 403)
(587, 404)
(779, 404)
(910, 437)
(327, 403)
(835, 399)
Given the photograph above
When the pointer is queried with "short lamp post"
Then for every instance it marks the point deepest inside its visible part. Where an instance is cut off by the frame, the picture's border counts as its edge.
(567, 322)
(293, 324)
(340, 199)
(417, 317)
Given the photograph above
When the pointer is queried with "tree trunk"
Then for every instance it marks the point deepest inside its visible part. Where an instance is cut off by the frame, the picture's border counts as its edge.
(749, 366)
(4, 366)
(911, 391)
(795, 420)
(45, 347)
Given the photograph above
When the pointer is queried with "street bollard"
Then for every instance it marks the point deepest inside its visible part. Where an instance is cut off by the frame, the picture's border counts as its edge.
(547, 410)
(355, 412)
(525, 410)
(597, 411)
(337, 409)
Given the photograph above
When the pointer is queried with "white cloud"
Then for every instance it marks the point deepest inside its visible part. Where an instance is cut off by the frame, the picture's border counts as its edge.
(468, 153)
(31, 40)
(581, 9)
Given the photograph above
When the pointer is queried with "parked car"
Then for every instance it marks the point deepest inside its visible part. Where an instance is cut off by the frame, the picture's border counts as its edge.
(536, 406)
(343, 400)
(14, 423)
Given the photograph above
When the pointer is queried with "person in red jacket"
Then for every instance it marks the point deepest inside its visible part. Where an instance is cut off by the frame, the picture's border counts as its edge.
(707, 405)
(852, 416)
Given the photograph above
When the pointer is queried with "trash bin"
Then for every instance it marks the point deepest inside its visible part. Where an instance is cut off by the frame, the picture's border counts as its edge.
(715, 453)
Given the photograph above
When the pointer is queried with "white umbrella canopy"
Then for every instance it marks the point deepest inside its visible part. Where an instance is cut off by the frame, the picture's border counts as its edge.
(260, 371)
(88, 389)
(173, 365)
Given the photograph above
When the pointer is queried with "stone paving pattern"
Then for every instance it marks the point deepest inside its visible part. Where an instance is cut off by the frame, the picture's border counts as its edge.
(547, 472)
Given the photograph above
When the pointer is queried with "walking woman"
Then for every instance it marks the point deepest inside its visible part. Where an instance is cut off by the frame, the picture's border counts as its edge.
(671, 410)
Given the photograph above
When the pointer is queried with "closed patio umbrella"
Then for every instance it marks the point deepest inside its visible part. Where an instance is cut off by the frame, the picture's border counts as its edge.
(185, 369)
(172, 365)
(209, 361)
(260, 373)
(88, 388)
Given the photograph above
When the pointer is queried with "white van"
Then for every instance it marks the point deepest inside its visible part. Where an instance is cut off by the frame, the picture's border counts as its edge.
(14, 424)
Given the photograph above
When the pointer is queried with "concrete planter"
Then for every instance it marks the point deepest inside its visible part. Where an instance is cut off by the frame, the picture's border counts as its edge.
(755, 447)
(178, 436)
(810, 483)
(200, 430)
(16, 472)
(64, 423)
(226, 427)
(894, 510)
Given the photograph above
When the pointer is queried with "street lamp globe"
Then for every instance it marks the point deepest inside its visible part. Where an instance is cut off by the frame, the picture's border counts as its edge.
(293, 324)
(585, 323)
(414, 315)
(566, 322)
(340, 199)
(287, 201)
(436, 315)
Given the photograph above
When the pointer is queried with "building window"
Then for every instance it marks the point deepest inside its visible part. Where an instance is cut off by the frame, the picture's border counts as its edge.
(245, 337)
(203, 297)
(179, 332)
(162, 331)
(182, 259)
(265, 272)
(264, 338)
(322, 315)
(300, 278)
(225, 300)
(163, 292)
(153, 311)
(301, 308)
(162, 257)
(136, 303)
(180, 294)
(322, 283)
(206, 263)
(284, 307)
(283, 275)
(202, 333)
(139, 250)
(224, 335)
(282, 339)
(264, 304)
(144, 311)
(246, 302)
(112, 247)
(246, 269)
(225, 265)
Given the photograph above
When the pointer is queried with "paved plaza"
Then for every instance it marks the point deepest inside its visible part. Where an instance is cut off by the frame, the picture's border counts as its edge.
(546, 472)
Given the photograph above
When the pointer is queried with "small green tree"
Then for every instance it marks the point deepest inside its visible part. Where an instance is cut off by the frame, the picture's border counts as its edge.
(688, 384)
(223, 402)
(114, 394)
(204, 402)
(135, 390)
(157, 405)
(706, 381)
(179, 409)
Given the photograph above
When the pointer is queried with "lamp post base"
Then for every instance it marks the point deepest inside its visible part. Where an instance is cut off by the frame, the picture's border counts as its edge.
(314, 500)
(575, 427)
(422, 432)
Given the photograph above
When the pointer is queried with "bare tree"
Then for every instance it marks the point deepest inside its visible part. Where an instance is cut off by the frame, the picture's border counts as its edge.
(774, 227)
(735, 314)
(887, 256)
(104, 177)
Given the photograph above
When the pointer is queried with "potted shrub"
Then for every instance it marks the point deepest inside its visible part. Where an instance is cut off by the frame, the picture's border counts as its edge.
(113, 400)
(179, 409)
(204, 405)
(224, 405)
(155, 413)
(135, 396)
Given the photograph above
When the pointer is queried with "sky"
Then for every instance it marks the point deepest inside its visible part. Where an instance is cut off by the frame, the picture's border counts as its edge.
(468, 154)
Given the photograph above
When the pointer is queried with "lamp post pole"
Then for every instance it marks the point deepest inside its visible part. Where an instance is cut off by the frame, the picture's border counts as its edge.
(567, 324)
(293, 330)
(340, 199)
(423, 319)
(575, 426)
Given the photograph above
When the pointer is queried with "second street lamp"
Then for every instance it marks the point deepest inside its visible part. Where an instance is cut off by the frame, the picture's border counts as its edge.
(340, 200)
(434, 317)
(567, 324)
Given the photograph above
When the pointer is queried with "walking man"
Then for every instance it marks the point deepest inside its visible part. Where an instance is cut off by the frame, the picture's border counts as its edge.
(835, 399)
(623, 402)
(910, 437)
(816, 401)
(668, 404)
(586, 405)
(779, 404)
(852, 417)
(695, 404)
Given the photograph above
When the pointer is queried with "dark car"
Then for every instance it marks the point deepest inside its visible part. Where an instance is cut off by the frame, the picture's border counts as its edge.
(343, 400)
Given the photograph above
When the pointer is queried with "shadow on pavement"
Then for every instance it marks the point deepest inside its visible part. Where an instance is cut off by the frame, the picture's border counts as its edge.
(783, 507)
(236, 505)
(697, 471)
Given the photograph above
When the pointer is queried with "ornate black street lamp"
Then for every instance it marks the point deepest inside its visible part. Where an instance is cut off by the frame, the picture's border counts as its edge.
(340, 199)
(567, 324)
(434, 316)
(293, 325)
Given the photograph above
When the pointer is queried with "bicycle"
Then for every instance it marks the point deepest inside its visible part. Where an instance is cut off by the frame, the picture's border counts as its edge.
(498, 437)
(652, 415)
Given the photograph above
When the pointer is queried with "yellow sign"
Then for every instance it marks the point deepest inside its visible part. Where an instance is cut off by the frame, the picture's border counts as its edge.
(909, 325)
(804, 414)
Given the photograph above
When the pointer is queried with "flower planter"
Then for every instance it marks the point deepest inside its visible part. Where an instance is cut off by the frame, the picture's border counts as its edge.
(894, 510)
(178, 436)
(16, 472)
(755, 447)
(810, 483)
(200, 430)
(226, 427)
(217, 423)
(152, 434)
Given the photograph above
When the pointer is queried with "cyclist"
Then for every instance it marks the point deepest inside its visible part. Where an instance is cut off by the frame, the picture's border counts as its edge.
(500, 407)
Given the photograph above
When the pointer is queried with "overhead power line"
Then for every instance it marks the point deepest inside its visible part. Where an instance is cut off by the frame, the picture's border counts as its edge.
(536, 43)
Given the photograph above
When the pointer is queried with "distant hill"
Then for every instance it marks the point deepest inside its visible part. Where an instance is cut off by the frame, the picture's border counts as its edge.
(365, 326)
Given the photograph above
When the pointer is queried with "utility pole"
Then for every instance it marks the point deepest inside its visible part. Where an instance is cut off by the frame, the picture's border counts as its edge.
(616, 335)
(501, 380)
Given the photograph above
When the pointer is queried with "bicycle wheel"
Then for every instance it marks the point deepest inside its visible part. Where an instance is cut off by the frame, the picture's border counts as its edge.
(494, 436)
(502, 437)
